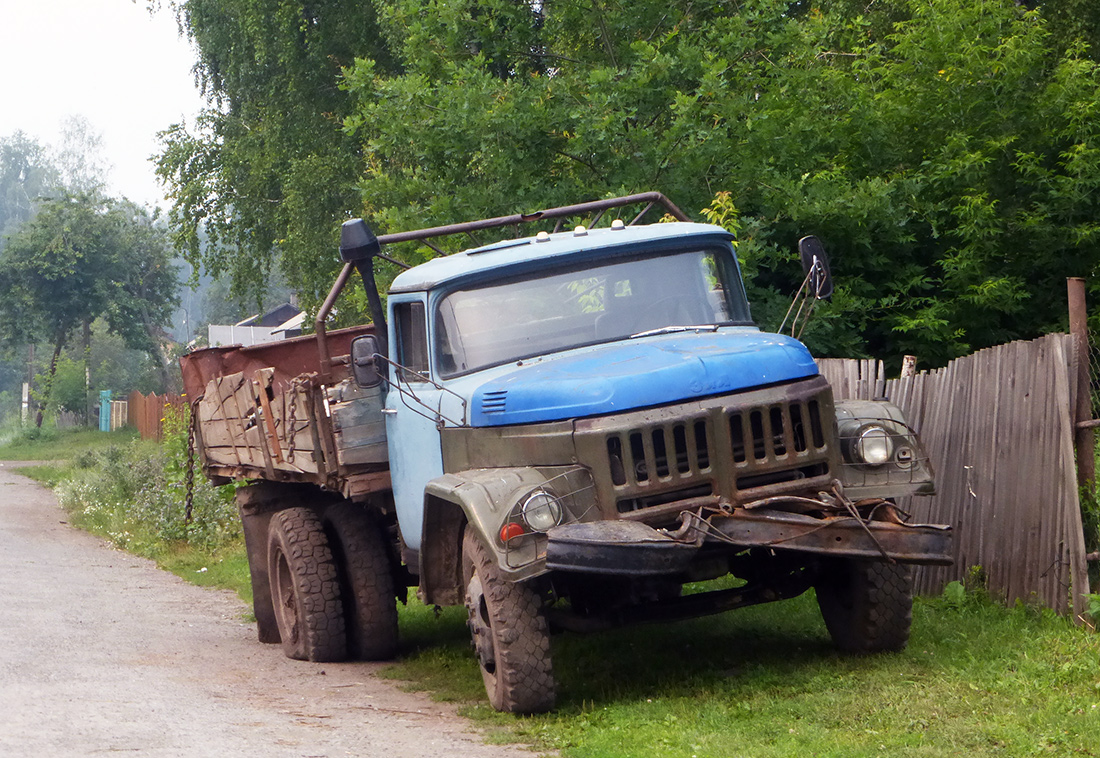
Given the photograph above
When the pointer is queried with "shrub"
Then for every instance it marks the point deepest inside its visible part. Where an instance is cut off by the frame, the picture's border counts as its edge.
(135, 495)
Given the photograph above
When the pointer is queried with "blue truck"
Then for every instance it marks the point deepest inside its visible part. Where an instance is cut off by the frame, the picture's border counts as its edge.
(558, 430)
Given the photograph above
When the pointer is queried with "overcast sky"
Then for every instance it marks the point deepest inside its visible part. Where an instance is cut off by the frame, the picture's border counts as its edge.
(126, 72)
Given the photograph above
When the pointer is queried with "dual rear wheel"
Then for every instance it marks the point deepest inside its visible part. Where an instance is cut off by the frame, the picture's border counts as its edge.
(332, 585)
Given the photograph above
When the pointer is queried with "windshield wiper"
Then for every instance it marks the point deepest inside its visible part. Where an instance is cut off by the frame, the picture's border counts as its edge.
(675, 329)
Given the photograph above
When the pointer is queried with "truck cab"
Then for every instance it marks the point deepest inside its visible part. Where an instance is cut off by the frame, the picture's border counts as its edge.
(596, 413)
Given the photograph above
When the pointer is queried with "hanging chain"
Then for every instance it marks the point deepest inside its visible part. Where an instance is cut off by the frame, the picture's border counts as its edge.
(189, 474)
(291, 421)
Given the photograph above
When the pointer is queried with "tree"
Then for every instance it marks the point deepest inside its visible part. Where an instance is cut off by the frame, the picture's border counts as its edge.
(267, 172)
(945, 151)
(83, 256)
(27, 174)
(80, 159)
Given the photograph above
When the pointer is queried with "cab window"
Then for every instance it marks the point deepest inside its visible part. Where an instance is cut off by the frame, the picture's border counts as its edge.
(412, 340)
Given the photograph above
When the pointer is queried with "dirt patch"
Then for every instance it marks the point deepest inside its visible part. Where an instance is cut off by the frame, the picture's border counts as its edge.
(101, 652)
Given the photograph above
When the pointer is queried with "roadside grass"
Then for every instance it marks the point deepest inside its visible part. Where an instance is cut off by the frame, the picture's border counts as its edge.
(58, 447)
(761, 682)
(765, 682)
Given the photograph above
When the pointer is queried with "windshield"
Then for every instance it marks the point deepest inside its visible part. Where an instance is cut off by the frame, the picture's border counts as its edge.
(554, 311)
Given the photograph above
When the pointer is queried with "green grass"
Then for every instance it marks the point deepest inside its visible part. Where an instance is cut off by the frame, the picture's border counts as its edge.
(227, 568)
(764, 682)
(54, 445)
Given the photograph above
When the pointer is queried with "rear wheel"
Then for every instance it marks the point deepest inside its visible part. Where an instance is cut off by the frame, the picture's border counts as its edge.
(867, 606)
(305, 589)
(366, 582)
(510, 634)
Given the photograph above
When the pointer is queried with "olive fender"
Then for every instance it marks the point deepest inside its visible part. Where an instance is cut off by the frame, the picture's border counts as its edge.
(482, 498)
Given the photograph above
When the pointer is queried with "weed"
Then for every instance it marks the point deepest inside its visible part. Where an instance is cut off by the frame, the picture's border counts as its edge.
(1092, 608)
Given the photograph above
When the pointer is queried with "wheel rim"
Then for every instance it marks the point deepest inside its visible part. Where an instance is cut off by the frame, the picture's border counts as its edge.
(481, 628)
(287, 603)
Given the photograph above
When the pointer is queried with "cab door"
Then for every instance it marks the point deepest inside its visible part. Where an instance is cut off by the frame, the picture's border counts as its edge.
(412, 428)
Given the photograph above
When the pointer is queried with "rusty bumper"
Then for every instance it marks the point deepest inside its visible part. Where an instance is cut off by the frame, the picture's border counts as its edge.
(845, 536)
(633, 549)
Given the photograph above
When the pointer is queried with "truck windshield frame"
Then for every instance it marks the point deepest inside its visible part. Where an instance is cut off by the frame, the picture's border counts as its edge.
(558, 309)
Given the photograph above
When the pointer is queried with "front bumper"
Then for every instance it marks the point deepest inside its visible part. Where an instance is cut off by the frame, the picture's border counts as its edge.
(630, 548)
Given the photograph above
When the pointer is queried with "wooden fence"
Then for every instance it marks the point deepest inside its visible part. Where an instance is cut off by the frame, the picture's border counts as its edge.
(146, 412)
(998, 426)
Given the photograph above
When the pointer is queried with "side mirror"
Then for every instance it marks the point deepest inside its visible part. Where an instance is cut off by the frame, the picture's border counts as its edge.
(815, 264)
(365, 367)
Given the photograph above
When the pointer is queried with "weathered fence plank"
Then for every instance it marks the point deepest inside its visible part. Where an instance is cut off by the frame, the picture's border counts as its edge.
(146, 412)
(998, 426)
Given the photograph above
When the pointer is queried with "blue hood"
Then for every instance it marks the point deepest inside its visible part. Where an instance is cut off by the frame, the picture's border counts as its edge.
(639, 373)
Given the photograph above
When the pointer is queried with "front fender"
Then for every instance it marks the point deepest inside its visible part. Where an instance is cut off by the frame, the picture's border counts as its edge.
(487, 499)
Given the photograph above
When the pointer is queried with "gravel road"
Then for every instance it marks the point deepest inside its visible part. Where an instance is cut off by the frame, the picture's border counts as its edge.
(103, 653)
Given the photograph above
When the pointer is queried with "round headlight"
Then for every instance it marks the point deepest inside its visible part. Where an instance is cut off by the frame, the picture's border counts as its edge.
(874, 445)
(541, 510)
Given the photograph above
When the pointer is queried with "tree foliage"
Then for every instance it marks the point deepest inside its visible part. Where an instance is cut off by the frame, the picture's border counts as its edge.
(945, 150)
(267, 167)
(27, 174)
(79, 258)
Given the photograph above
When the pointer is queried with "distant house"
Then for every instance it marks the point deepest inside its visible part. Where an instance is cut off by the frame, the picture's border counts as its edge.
(277, 324)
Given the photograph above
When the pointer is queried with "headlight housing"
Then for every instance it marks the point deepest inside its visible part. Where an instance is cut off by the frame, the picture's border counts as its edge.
(541, 511)
(873, 445)
(881, 455)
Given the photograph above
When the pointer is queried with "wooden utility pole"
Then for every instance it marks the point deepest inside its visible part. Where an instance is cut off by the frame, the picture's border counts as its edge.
(908, 366)
(1084, 438)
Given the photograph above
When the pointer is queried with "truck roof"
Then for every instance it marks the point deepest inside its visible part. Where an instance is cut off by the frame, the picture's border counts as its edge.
(565, 244)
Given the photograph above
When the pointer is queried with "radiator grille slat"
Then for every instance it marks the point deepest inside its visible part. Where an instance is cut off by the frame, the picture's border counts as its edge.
(765, 443)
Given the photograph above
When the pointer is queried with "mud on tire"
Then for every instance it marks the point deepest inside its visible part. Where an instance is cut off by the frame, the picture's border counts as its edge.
(366, 582)
(510, 634)
(867, 606)
(305, 588)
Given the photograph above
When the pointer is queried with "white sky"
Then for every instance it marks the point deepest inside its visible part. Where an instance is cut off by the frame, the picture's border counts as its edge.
(126, 72)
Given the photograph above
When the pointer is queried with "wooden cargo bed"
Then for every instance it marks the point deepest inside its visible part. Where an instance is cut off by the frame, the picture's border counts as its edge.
(270, 412)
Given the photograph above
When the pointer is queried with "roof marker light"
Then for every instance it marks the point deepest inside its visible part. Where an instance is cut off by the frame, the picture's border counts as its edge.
(618, 224)
(542, 237)
(580, 231)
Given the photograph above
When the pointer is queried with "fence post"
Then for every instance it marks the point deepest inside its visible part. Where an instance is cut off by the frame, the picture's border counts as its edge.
(1084, 438)
(909, 365)
(104, 410)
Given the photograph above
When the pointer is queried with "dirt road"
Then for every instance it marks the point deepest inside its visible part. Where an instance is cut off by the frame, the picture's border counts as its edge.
(102, 653)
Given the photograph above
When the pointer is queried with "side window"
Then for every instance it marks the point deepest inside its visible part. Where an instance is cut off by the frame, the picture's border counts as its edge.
(412, 340)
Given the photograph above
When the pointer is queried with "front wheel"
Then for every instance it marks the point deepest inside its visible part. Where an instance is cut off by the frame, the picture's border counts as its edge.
(510, 634)
(867, 606)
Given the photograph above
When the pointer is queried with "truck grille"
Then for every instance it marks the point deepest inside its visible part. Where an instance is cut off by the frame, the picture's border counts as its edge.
(727, 446)
(683, 448)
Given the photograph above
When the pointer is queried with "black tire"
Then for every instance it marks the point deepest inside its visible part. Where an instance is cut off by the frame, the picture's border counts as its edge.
(366, 582)
(305, 588)
(867, 606)
(510, 634)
